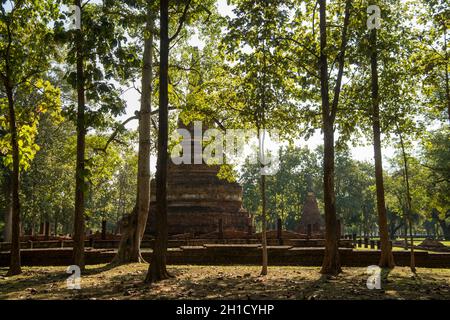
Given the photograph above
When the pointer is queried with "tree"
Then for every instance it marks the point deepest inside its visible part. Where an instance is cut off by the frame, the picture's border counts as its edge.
(386, 258)
(78, 229)
(189, 9)
(129, 247)
(97, 51)
(261, 90)
(331, 262)
(354, 193)
(400, 106)
(157, 270)
(23, 25)
(310, 59)
(386, 52)
(432, 58)
(436, 159)
(408, 199)
(6, 204)
(47, 186)
(299, 172)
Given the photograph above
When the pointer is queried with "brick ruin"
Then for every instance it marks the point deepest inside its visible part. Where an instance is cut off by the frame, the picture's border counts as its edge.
(311, 222)
(198, 201)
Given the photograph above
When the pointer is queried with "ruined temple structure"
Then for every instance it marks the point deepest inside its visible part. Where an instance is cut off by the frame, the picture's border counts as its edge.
(311, 218)
(198, 201)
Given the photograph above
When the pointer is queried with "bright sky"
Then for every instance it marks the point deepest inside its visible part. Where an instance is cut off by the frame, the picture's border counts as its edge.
(362, 153)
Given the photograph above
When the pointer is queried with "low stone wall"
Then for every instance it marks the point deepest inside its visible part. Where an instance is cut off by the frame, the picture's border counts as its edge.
(114, 244)
(219, 254)
(6, 246)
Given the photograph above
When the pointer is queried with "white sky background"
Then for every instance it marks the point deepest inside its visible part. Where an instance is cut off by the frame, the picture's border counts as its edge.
(362, 153)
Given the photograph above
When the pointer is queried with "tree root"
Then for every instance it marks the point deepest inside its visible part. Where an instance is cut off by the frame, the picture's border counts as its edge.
(14, 271)
(157, 273)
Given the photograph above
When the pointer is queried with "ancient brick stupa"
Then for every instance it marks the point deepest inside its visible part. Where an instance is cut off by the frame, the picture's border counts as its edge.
(198, 199)
(311, 216)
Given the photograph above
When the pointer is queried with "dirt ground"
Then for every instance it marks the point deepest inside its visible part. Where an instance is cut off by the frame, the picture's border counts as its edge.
(224, 282)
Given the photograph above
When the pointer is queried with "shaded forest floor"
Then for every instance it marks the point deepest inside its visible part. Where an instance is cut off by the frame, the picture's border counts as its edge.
(223, 282)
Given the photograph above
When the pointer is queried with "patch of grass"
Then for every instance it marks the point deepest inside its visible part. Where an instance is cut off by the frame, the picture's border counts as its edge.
(393, 249)
(223, 282)
(417, 241)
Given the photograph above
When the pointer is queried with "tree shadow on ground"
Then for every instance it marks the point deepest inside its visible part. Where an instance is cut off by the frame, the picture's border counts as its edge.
(222, 286)
(418, 286)
(31, 282)
(238, 286)
(237, 282)
(41, 282)
(100, 269)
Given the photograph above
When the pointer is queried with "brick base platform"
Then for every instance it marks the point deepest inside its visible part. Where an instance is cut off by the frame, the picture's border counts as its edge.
(218, 254)
(146, 244)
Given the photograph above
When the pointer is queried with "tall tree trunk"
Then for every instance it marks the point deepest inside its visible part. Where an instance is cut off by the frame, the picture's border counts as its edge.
(7, 232)
(412, 257)
(80, 186)
(14, 266)
(447, 85)
(157, 270)
(405, 230)
(331, 261)
(129, 248)
(408, 199)
(365, 224)
(447, 90)
(264, 227)
(386, 259)
(261, 138)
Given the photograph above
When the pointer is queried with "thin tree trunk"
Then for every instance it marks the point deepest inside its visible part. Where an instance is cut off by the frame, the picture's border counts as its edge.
(264, 226)
(386, 259)
(14, 266)
(408, 199)
(261, 137)
(7, 232)
(129, 248)
(79, 227)
(413, 258)
(405, 218)
(157, 270)
(331, 262)
(447, 90)
(447, 85)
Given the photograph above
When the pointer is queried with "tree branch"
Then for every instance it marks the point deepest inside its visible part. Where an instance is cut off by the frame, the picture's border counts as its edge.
(309, 72)
(181, 22)
(300, 44)
(112, 137)
(341, 60)
(116, 132)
